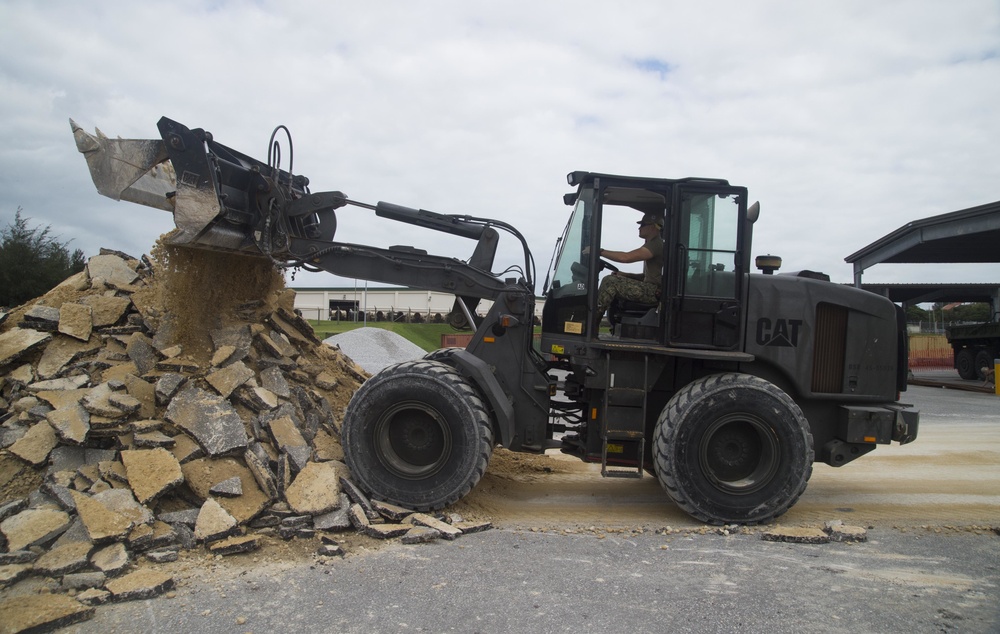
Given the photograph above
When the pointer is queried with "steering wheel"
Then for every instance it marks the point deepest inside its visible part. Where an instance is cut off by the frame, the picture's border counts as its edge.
(607, 265)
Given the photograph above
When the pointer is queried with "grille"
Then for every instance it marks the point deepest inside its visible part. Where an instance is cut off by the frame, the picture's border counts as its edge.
(829, 348)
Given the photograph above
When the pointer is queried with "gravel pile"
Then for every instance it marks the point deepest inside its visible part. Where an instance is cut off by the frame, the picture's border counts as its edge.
(153, 406)
(375, 348)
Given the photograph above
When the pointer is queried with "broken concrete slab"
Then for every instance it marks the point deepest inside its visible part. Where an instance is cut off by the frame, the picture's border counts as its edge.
(391, 512)
(285, 433)
(257, 399)
(122, 501)
(151, 472)
(273, 379)
(102, 523)
(227, 379)
(106, 310)
(18, 557)
(42, 612)
(210, 419)
(111, 269)
(35, 445)
(840, 532)
(141, 352)
(12, 507)
(171, 352)
(469, 527)
(316, 489)
(111, 560)
(326, 381)
(18, 341)
(98, 402)
(62, 351)
(140, 538)
(71, 424)
(239, 337)
(162, 555)
(141, 584)
(234, 545)
(41, 316)
(12, 573)
(223, 356)
(76, 321)
(144, 392)
(261, 472)
(152, 440)
(75, 533)
(59, 385)
(64, 559)
(167, 385)
(795, 535)
(33, 527)
(125, 402)
(204, 473)
(187, 517)
(229, 488)
(378, 531)
(83, 580)
(360, 498)
(185, 449)
(447, 530)
(330, 550)
(420, 535)
(214, 522)
(93, 596)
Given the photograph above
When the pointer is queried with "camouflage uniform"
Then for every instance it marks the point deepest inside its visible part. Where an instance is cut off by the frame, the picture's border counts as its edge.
(632, 289)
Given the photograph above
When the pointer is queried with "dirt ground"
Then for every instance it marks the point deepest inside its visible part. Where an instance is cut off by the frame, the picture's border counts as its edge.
(948, 477)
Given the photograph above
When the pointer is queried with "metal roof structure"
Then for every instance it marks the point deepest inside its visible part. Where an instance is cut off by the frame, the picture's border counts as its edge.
(910, 294)
(966, 236)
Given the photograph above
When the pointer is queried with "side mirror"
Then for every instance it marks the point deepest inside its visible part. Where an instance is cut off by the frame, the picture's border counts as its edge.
(753, 212)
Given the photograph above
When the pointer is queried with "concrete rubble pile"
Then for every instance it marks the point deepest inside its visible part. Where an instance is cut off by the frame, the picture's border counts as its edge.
(118, 448)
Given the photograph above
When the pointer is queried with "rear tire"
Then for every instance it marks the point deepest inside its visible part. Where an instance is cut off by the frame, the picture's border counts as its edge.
(984, 361)
(733, 448)
(417, 434)
(965, 363)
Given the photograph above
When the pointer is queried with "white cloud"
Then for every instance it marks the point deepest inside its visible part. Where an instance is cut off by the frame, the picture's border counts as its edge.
(846, 119)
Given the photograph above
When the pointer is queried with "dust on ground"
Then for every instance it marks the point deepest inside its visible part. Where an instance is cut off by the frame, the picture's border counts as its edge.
(948, 480)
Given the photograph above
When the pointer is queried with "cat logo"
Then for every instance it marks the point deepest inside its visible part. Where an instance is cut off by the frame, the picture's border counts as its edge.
(782, 332)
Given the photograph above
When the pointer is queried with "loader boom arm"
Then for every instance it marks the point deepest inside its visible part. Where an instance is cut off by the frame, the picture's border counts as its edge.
(222, 199)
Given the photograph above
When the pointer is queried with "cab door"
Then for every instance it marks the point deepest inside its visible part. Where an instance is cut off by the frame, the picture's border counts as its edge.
(706, 276)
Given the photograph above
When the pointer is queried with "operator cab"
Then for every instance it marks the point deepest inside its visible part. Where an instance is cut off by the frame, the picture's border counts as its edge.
(702, 292)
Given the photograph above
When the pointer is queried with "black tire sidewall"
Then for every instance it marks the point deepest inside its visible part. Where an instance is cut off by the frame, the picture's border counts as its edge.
(437, 386)
(965, 363)
(682, 428)
(984, 359)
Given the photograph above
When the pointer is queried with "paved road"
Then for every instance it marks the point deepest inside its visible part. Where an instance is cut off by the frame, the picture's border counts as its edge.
(512, 581)
(925, 567)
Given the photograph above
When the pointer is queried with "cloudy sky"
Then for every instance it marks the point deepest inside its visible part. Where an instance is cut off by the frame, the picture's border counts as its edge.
(846, 119)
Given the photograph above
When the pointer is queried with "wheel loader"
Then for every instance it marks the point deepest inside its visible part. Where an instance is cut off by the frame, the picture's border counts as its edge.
(726, 389)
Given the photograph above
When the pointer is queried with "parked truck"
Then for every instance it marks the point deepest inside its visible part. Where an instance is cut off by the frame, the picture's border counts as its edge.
(726, 389)
(975, 347)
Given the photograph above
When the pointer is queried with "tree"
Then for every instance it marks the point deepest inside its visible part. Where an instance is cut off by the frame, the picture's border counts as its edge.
(32, 261)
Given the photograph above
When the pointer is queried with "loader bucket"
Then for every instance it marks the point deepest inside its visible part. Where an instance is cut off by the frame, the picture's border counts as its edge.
(136, 170)
(215, 194)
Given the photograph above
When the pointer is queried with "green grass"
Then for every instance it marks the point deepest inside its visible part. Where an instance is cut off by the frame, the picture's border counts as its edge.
(427, 336)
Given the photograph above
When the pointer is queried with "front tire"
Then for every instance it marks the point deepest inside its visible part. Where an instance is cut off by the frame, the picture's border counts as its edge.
(418, 435)
(733, 448)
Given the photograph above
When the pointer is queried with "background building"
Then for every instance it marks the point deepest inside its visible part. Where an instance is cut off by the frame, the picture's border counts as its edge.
(346, 302)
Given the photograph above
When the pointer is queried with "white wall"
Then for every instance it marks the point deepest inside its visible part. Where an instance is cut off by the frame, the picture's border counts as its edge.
(314, 302)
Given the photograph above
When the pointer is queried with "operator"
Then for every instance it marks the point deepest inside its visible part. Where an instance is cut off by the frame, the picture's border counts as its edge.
(630, 286)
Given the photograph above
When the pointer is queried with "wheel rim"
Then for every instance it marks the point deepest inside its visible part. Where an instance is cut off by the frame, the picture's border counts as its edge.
(412, 440)
(739, 454)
